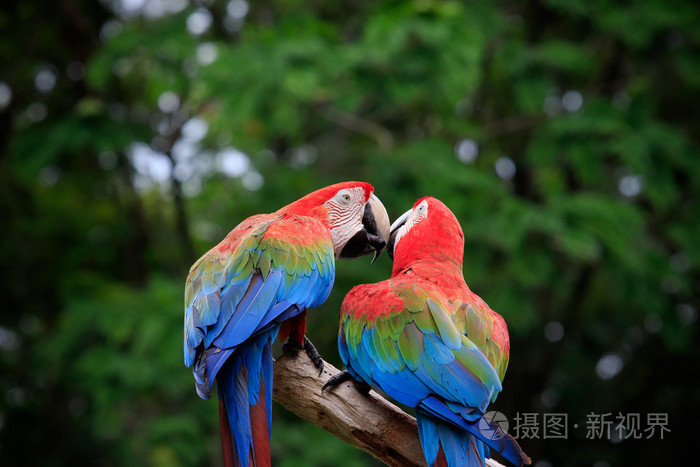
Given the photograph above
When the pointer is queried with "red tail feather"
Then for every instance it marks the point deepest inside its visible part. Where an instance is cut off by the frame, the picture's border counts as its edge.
(295, 329)
(226, 441)
(440, 460)
(299, 328)
(260, 457)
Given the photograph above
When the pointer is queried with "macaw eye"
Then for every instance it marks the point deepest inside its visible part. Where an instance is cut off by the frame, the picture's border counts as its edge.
(343, 198)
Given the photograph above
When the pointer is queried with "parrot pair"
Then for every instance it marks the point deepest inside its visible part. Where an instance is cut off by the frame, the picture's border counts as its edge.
(422, 336)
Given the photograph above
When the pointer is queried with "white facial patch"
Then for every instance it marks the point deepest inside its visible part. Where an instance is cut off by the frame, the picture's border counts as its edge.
(345, 211)
(418, 213)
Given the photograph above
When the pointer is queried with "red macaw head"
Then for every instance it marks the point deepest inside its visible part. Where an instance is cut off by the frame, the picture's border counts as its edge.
(428, 231)
(357, 220)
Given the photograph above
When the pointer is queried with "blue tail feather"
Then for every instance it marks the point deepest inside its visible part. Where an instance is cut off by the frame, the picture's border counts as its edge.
(267, 361)
(506, 445)
(459, 447)
(246, 372)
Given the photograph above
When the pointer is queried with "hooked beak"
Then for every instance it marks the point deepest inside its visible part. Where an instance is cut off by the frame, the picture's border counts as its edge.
(394, 229)
(374, 234)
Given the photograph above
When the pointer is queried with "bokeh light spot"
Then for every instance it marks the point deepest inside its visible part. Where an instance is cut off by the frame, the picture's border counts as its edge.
(467, 151)
(505, 168)
(237, 9)
(572, 101)
(45, 80)
(36, 112)
(687, 313)
(232, 162)
(207, 53)
(168, 102)
(252, 181)
(609, 366)
(199, 21)
(5, 95)
(554, 331)
(630, 186)
(49, 175)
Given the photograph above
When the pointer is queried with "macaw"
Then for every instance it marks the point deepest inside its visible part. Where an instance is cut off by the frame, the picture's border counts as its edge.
(425, 339)
(255, 286)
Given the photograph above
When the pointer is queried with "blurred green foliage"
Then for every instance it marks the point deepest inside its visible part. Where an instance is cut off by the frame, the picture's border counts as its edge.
(135, 134)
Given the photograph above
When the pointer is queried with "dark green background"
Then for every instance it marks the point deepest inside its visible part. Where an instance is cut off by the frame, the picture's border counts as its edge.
(107, 195)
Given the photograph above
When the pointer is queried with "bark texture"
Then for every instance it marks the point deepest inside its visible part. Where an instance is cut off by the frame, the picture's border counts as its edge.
(369, 422)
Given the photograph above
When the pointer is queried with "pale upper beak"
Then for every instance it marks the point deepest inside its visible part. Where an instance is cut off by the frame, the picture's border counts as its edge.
(375, 232)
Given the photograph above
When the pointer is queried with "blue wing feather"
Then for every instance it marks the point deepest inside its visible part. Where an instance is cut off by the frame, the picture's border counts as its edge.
(231, 295)
(229, 306)
(402, 386)
(436, 351)
(279, 312)
(215, 359)
(255, 304)
(450, 399)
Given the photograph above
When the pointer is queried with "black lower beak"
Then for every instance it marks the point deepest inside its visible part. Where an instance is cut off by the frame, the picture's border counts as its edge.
(392, 237)
(366, 240)
(361, 244)
(390, 246)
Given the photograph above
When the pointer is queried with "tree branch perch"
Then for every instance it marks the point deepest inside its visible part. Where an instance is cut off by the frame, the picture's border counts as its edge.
(368, 422)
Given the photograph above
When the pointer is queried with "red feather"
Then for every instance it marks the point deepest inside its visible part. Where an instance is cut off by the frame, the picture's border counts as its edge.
(294, 329)
(226, 441)
(298, 329)
(312, 204)
(440, 460)
(446, 245)
(261, 434)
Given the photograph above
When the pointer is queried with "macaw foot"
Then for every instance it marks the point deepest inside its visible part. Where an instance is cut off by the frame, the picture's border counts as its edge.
(343, 376)
(313, 354)
(336, 379)
(310, 350)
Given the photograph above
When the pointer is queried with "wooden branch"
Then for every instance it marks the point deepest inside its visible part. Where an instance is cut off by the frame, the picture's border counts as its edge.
(368, 422)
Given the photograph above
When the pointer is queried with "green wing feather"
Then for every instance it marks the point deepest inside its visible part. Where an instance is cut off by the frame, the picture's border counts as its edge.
(261, 244)
(396, 317)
